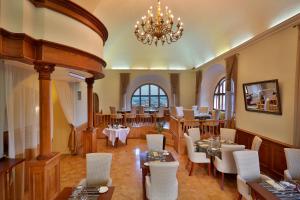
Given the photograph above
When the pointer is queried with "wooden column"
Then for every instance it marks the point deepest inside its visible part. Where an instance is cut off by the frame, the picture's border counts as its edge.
(89, 135)
(90, 103)
(45, 71)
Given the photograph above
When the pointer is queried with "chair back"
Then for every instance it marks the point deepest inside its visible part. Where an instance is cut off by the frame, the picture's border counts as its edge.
(293, 162)
(227, 134)
(112, 110)
(247, 164)
(256, 143)
(155, 142)
(194, 133)
(227, 157)
(179, 111)
(194, 107)
(164, 184)
(189, 145)
(188, 114)
(98, 168)
(203, 109)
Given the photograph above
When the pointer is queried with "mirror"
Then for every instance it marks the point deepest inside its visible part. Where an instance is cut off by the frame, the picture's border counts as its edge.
(263, 97)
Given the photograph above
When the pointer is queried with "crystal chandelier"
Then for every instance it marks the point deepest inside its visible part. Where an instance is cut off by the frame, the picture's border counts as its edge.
(159, 27)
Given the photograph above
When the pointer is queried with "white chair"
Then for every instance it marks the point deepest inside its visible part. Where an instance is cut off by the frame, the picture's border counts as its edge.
(293, 164)
(248, 170)
(97, 170)
(226, 165)
(162, 184)
(179, 112)
(227, 134)
(155, 142)
(194, 133)
(195, 157)
(256, 143)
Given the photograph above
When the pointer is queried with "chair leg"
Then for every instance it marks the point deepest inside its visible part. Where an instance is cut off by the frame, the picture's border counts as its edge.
(240, 196)
(187, 164)
(208, 166)
(215, 172)
(191, 171)
(222, 181)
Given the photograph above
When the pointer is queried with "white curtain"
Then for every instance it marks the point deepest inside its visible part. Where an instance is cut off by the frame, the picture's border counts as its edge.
(21, 94)
(66, 92)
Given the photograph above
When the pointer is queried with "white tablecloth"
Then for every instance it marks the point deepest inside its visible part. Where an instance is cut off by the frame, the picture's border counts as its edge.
(113, 134)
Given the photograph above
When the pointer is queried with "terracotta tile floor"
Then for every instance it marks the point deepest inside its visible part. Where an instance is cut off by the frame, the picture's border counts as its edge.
(126, 174)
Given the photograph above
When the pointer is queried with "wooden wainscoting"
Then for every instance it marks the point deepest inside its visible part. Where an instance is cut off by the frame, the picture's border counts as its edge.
(271, 153)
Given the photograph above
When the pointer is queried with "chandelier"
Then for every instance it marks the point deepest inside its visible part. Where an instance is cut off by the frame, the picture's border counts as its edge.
(160, 27)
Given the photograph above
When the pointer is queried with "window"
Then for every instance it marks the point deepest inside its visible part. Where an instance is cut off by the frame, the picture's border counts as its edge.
(150, 95)
(219, 95)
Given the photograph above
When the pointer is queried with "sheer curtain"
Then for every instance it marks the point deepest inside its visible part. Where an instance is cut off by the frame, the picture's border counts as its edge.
(66, 92)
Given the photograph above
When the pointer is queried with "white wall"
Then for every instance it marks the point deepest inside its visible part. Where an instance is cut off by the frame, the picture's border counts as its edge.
(273, 57)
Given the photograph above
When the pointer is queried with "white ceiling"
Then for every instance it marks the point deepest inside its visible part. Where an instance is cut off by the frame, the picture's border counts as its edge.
(212, 27)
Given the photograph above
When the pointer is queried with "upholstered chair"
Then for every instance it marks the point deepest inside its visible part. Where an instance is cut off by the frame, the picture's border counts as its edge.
(195, 157)
(98, 167)
(162, 184)
(194, 133)
(226, 164)
(293, 164)
(155, 142)
(256, 143)
(248, 170)
(227, 134)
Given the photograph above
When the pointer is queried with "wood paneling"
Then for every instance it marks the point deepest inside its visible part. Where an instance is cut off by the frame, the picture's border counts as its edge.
(271, 153)
(23, 48)
(44, 178)
(76, 12)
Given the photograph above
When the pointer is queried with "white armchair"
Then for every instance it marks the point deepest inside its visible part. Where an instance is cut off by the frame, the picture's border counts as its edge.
(256, 143)
(195, 157)
(226, 165)
(97, 170)
(194, 133)
(247, 164)
(227, 134)
(162, 184)
(155, 142)
(293, 164)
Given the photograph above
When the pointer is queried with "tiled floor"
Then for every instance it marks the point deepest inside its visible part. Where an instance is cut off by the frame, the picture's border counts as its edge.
(127, 178)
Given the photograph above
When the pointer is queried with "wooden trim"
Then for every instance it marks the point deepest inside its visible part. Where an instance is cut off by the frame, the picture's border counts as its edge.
(76, 12)
(271, 153)
(23, 48)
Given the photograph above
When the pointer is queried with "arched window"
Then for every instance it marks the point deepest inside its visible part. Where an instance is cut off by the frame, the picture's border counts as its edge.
(219, 95)
(150, 95)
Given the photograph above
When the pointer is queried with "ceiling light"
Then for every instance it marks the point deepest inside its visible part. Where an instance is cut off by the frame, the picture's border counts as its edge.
(159, 27)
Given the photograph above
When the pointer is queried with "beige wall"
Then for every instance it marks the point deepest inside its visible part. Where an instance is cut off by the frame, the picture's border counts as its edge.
(273, 57)
(108, 88)
(61, 128)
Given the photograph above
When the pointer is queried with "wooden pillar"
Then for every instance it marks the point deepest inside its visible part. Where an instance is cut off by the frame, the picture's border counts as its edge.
(90, 103)
(45, 71)
(89, 135)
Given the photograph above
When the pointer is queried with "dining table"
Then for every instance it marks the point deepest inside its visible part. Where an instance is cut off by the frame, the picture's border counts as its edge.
(146, 157)
(66, 193)
(116, 134)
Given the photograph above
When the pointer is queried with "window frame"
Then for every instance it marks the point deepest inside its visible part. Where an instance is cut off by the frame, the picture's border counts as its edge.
(149, 95)
(219, 95)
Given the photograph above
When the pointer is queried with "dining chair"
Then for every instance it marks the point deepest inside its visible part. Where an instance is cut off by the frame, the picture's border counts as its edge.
(248, 170)
(145, 117)
(155, 142)
(213, 123)
(194, 133)
(131, 117)
(226, 164)
(179, 112)
(114, 116)
(256, 143)
(162, 183)
(98, 167)
(195, 157)
(203, 109)
(227, 134)
(292, 157)
(158, 116)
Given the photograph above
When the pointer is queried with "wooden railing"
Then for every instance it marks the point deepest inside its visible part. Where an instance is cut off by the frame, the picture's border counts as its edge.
(179, 126)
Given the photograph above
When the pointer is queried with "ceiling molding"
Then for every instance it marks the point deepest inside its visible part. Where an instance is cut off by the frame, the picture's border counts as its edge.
(76, 12)
(23, 48)
(292, 22)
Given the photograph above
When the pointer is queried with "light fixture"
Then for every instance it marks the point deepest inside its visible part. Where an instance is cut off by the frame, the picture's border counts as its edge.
(159, 27)
(78, 76)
